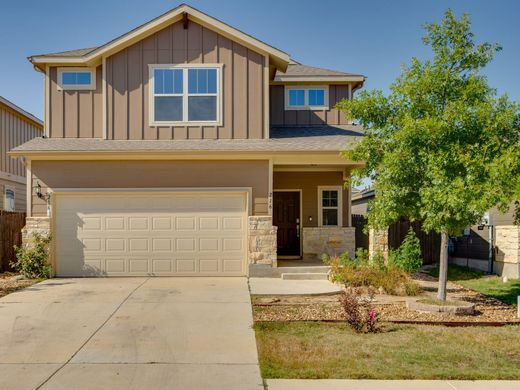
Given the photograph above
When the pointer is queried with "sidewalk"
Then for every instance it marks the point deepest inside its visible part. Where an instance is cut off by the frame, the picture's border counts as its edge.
(362, 384)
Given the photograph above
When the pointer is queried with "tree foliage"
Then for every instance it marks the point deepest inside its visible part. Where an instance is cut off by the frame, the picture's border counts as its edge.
(442, 147)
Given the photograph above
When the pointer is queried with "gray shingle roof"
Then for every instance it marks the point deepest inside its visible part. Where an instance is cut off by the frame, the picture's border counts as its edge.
(286, 139)
(69, 53)
(296, 71)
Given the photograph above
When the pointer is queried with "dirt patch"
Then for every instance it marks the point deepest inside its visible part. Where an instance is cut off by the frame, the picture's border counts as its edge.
(9, 283)
(389, 308)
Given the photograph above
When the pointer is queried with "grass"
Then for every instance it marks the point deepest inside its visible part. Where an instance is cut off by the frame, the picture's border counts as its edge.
(324, 350)
(492, 286)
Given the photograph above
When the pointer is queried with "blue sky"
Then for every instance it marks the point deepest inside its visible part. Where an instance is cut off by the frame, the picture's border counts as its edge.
(372, 37)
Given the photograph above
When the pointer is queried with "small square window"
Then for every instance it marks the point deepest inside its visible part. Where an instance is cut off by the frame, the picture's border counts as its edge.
(306, 98)
(76, 78)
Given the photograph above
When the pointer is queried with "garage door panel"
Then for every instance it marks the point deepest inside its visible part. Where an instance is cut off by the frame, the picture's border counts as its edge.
(174, 237)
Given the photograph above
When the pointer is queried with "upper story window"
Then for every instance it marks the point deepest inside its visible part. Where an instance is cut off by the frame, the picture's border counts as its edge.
(306, 97)
(76, 78)
(185, 94)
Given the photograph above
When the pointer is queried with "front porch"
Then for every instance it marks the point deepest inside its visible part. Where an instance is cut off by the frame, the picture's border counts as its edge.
(309, 215)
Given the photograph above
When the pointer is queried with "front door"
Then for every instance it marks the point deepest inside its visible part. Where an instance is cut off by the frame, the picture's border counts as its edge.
(286, 215)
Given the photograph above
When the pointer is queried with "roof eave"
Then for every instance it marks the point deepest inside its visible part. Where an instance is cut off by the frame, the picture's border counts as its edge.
(327, 79)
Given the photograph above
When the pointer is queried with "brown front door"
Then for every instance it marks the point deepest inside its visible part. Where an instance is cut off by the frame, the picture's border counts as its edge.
(286, 215)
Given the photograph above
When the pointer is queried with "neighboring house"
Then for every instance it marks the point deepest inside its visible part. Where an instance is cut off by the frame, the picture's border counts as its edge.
(16, 127)
(187, 147)
(360, 199)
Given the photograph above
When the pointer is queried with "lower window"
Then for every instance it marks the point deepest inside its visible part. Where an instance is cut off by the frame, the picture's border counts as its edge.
(330, 205)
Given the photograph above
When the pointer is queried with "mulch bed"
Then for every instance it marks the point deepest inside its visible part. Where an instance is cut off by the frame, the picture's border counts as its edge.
(8, 284)
(327, 308)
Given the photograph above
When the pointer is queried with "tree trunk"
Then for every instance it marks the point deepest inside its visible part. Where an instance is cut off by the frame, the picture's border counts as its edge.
(443, 266)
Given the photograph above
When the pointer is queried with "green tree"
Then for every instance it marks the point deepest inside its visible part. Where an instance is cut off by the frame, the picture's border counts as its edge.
(442, 147)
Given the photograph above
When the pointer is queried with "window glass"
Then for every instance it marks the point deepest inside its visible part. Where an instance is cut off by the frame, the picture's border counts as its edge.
(330, 198)
(76, 78)
(330, 217)
(9, 200)
(202, 108)
(296, 97)
(168, 108)
(168, 81)
(202, 81)
(316, 97)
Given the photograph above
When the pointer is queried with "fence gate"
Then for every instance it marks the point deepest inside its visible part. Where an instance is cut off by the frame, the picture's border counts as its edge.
(359, 221)
(11, 225)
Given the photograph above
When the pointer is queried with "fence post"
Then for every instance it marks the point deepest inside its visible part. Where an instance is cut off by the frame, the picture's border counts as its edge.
(378, 243)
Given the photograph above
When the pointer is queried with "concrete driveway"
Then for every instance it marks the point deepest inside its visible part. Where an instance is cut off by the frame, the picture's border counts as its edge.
(129, 333)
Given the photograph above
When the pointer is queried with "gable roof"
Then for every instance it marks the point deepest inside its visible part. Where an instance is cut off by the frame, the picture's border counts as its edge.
(21, 111)
(299, 72)
(94, 56)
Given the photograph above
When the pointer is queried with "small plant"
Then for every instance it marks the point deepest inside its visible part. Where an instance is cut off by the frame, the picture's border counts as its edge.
(32, 261)
(359, 313)
(407, 257)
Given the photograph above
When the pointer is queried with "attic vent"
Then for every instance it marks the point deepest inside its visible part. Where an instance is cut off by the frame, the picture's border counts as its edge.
(185, 20)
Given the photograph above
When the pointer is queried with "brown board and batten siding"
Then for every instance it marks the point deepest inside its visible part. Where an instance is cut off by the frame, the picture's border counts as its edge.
(127, 76)
(75, 114)
(148, 174)
(282, 117)
(15, 129)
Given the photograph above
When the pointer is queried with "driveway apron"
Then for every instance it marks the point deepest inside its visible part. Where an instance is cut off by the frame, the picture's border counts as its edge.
(129, 333)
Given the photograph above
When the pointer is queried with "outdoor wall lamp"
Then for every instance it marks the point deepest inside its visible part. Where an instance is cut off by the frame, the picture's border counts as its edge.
(310, 218)
(38, 192)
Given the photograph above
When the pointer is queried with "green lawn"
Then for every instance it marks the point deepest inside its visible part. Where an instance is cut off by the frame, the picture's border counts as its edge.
(324, 350)
(487, 285)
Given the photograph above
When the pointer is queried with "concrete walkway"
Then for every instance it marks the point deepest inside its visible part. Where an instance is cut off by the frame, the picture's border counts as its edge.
(362, 384)
(129, 333)
(277, 286)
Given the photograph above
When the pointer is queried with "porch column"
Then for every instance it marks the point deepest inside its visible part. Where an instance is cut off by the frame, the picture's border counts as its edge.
(507, 255)
(262, 240)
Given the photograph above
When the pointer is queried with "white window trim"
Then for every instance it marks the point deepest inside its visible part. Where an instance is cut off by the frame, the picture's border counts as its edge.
(339, 208)
(306, 105)
(151, 95)
(77, 87)
(9, 188)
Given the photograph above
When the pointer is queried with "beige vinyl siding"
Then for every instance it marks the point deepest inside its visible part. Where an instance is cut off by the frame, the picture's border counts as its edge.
(152, 174)
(15, 129)
(128, 91)
(281, 117)
(75, 114)
(19, 194)
(309, 182)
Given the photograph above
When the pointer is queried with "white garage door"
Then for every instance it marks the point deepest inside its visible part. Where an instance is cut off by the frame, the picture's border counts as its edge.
(166, 234)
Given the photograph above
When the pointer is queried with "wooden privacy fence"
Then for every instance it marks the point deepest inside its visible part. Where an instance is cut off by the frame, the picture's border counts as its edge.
(11, 225)
(430, 242)
(359, 221)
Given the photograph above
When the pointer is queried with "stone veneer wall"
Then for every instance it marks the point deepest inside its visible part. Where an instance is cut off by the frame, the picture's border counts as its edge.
(33, 225)
(507, 256)
(378, 243)
(262, 240)
(329, 240)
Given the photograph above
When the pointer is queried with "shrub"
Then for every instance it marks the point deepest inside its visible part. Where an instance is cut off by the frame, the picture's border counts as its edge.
(32, 261)
(359, 313)
(392, 280)
(408, 256)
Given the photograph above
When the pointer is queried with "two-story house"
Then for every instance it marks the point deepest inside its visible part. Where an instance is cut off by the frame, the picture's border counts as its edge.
(187, 147)
(17, 126)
